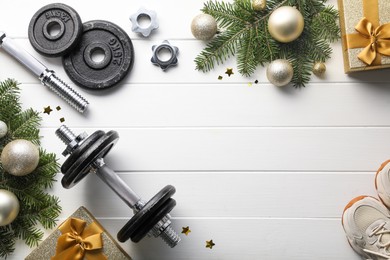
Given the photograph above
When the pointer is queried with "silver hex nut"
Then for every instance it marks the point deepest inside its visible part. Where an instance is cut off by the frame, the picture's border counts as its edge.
(145, 31)
(165, 64)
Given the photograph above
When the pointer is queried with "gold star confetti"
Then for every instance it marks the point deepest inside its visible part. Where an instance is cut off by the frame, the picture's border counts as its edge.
(250, 84)
(229, 71)
(186, 230)
(210, 244)
(62, 119)
(220, 77)
(58, 108)
(47, 110)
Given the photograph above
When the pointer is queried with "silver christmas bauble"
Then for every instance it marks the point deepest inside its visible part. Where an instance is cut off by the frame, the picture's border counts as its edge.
(20, 157)
(259, 5)
(3, 129)
(204, 27)
(285, 24)
(280, 72)
(9, 207)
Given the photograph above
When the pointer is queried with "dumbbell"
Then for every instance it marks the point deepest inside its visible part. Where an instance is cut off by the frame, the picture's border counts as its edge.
(86, 155)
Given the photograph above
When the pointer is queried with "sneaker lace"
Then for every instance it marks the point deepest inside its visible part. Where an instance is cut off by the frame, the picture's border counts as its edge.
(380, 231)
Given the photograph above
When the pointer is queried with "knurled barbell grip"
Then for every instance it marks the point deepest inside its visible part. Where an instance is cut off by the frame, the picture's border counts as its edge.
(112, 179)
(47, 77)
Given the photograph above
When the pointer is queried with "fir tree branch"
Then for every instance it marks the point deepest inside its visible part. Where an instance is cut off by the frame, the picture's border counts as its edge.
(25, 126)
(246, 59)
(224, 13)
(220, 49)
(246, 35)
(36, 205)
(7, 241)
(324, 25)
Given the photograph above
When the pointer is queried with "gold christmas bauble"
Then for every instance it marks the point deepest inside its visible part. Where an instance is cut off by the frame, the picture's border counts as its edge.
(280, 72)
(9, 207)
(3, 129)
(204, 27)
(319, 69)
(285, 24)
(259, 5)
(20, 157)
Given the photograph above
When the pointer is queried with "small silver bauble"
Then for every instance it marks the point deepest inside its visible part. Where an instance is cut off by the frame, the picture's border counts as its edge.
(20, 157)
(9, 207)
(259, 5)
(3, 129)
(204, 27)
(280, 72)
(285, 24)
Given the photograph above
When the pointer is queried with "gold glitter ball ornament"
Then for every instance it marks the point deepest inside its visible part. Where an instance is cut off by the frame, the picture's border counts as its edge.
(280, 72)
(3, 129)
(285, 24)
(204, 27)
(319, 69)
(20, 157)
(259, 5)
(9, 207)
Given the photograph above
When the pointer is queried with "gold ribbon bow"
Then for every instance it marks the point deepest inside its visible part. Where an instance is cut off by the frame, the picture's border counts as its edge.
(374, 38)
(79, 240)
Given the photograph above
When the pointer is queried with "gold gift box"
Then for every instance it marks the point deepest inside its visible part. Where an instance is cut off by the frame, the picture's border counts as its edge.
(351, 13)
(47, 249)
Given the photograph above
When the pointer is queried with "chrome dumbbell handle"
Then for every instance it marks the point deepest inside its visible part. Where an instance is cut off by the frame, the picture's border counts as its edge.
(112, 179)
(46, 76)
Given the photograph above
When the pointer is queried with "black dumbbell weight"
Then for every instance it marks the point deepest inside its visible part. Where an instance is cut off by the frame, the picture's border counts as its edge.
(86, 69)
(55, 30)
(86, 155)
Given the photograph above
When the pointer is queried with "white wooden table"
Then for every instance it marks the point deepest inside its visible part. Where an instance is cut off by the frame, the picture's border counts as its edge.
(264, 172)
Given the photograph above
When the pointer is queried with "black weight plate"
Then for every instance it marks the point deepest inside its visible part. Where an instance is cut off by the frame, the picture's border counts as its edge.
(81, 167)
(159, 213)
(116, 53)
(55, 30)
(145, 214)
(84, 146)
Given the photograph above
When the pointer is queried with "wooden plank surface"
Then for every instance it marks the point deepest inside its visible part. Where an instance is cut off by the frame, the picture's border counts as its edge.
(265, 172)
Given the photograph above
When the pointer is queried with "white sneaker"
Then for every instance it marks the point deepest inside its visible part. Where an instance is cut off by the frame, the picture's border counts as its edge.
(366, 223)
(382, 183)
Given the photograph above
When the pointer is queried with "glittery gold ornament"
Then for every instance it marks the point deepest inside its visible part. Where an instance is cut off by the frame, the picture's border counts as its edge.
(259, 5)
(204, 27)
(285, 24)
(20, 157)
(319, 69)
(280, 72)
(9, 207)
(3, 129)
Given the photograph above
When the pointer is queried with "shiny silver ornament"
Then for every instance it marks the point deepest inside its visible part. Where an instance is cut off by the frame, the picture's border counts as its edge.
(259, 5)
(280, 72)
(9, 207)
(20, 157)
(3, 129)
(204, 27)
(319, 69)
(285, 24)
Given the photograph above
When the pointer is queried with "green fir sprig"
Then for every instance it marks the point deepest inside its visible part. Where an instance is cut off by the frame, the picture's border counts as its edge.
(36, 205)
(244, 32)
